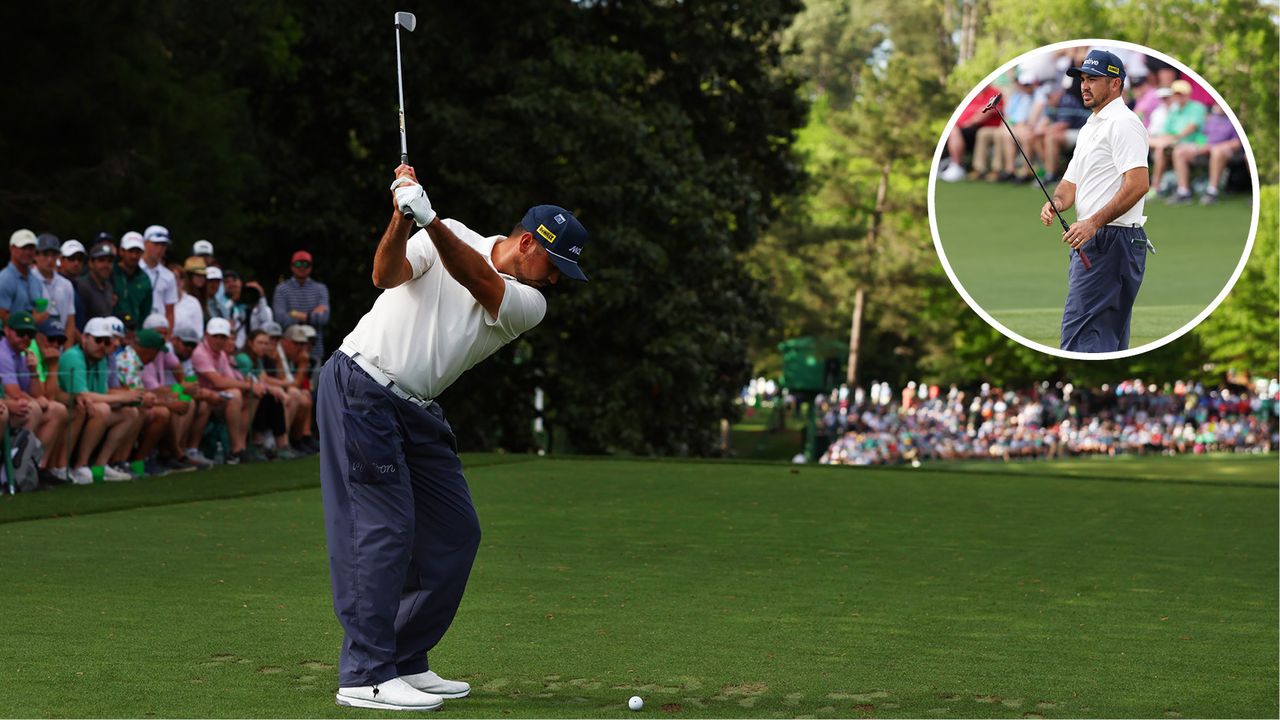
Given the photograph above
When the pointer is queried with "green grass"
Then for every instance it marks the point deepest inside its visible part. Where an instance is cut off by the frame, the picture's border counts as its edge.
(724, 589)
(1016, 269)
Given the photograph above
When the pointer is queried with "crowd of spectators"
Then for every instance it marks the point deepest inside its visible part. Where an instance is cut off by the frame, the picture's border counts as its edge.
(1186, 127)
(120, 361)
(926, 422)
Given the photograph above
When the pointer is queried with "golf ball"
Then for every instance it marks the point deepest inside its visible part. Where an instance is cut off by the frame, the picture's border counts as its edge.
(635, 703)
(915, 463)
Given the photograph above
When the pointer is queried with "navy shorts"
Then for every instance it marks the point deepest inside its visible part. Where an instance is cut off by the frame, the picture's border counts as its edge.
(1100, 301)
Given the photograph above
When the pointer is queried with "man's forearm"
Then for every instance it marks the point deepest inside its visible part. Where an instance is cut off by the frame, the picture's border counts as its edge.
(1063, 198)
(390, 267)
(1132, 188)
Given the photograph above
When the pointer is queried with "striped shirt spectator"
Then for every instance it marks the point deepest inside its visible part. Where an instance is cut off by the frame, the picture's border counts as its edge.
(303, 301)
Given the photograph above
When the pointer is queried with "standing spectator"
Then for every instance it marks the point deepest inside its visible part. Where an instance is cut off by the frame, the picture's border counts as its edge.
(189, 312)
(303, 301)
(95, 293)
(19, 287)
(203, 249)
(71, 265)
(164, 286)
(59, 293)
(216, 372)
(28, 407)
(132, 286)
(82, 373)
(213, 307)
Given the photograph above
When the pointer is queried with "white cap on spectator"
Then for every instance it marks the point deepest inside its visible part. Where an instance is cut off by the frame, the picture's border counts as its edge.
(22, 238)
(132, 241)
(213, 272)
(71, 247)
(1026, 77)
(156, 233)
(300, 333)
(116, 325)
(187, 334)
(218, 326)
(155, 321)
(1164, 92)
(98, 327)
(202, 247)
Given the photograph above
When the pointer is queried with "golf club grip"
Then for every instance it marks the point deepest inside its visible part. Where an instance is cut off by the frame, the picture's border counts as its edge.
(404, 158)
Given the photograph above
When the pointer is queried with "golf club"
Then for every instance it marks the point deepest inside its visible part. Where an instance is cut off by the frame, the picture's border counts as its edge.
(407, 21)
(991, 105)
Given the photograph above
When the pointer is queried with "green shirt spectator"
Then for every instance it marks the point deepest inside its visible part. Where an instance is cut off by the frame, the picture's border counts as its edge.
(132, 284)
(1187, 115)
(76, 375)
(247, 366)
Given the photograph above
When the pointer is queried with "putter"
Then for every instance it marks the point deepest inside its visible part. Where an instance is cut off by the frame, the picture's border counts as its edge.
(407, 21)
(992, 106)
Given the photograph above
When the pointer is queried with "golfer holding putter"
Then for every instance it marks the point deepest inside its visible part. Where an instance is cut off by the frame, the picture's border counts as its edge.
(401, 528)
(1107, 180)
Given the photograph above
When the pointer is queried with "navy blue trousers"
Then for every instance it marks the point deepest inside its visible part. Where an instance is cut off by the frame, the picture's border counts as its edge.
(401, 528)
(1100, 301)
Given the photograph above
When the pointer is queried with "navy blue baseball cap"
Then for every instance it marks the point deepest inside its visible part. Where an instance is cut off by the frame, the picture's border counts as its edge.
(1099, 63)
(561, 234)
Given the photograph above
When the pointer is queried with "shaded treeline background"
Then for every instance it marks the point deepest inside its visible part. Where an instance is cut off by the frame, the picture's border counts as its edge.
(726, 160)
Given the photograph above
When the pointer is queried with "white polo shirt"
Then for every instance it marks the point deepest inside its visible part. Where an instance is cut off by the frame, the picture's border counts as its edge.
(1112, 142)
(426, 332)
(164, 287)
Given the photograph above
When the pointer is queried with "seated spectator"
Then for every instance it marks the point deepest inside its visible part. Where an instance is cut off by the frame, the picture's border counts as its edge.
(95, 291)
(965, 134)
(1183, 124)
(213, 366)
(24, 396)
(289, 361)
(1220, 143)
(19, 288)
(109, 419)
(1065, 115)
(141, 351)
(277, 408)
(186, 438)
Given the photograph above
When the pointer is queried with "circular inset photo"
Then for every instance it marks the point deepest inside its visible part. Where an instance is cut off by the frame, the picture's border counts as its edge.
(1093, 199)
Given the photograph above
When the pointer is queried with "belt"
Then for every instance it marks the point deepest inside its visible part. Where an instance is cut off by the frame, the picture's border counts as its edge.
(381, 378)
(1135, 241)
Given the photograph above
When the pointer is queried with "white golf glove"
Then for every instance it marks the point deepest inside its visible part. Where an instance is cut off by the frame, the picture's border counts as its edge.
(411, 198)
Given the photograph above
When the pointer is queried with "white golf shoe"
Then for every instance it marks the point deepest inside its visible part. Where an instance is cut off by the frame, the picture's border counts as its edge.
(432, 683)
(394, 694)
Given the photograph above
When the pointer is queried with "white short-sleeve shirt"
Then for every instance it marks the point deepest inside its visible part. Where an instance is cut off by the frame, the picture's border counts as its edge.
(428, 331)
(1112, 142)
(164, 287)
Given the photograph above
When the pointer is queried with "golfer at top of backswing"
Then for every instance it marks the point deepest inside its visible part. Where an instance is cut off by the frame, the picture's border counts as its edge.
(1106, 180)
(401, 528)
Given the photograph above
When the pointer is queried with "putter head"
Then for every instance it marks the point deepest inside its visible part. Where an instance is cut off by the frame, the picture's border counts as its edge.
(406, 20)
(995, 100)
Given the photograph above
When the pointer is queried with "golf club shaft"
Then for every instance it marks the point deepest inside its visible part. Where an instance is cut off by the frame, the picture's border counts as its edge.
(404, 145)
(1083, 258)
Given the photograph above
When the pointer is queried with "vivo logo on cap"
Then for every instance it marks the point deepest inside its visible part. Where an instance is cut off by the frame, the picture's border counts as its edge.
(1091, 61)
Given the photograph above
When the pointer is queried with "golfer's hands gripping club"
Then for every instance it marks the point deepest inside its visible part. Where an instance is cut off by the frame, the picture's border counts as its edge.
(410, 198)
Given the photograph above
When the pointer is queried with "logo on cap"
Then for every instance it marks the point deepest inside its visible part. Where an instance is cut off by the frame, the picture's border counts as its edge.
(544, 232)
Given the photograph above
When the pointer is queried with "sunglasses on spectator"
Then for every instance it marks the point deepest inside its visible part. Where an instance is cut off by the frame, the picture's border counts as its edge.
(302, 263)
(99, 340)
(24, 334)
(58, 341)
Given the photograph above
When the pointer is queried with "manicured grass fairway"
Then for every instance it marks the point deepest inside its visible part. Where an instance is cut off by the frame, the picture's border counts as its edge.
(711, 589)
(1016, 269)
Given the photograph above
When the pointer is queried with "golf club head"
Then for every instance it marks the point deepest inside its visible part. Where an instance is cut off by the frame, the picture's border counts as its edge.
(406, 20)
(995, 100)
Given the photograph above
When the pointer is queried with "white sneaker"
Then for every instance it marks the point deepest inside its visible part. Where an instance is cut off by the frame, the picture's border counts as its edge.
(82, 475)
(394, 694)
(953, 173)
(62, 474)
(432, 683)
(111, 474)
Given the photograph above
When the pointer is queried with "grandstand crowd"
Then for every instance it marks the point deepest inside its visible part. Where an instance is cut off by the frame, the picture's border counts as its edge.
(926, 422)
(1193, 142)
(119, 361)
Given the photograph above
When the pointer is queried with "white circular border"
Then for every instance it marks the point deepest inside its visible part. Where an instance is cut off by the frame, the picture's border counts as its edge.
(1072, 355)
